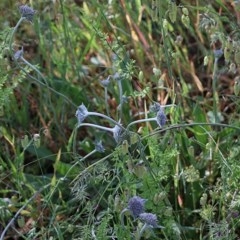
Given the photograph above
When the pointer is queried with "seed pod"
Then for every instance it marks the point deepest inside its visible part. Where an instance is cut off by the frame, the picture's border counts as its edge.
(205, 61)
(155, 9)
(159, 197)
(124, 147)
(228, 50)
(168, 212)
(236, 88)
(203, 199)
(140, 170)
(140, 76)
(130, 166)
(156, 72)
(227, 54)
(117, 203)
(155, 199)
(172, 11)
(232, 68)
(21, 221)
(36, 140)
(25, 141)
(185, 11)
(165, 25)
(186, 21)
(237, 57)
(134, 138)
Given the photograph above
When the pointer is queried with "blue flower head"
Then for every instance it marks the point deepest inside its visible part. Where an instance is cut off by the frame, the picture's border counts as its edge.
(136, 206)
(117, 133)
(18, 54)
(105, 82)
(81, 113)
(149, 219)
(117, 76)
(161, 118)
(124, 99)
(218, 53)
(27, 12)
(99, 147)
(155, 107)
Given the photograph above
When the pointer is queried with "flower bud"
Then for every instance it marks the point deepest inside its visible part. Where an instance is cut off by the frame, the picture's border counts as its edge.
(36, 140)
(25, 141)
(233, 68)
(203, 199)
(237, 57)
(156, 72)
(185, 11)
(205, 61)
(27, 12)
(140, 76)
(165, 25)
(172, 11)
(186, 21)
(236, 87)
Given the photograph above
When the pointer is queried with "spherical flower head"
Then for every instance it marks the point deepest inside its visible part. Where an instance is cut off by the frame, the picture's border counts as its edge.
(116, 76)
(136, 206)
(106, 82)
(117, 130)
(27, 12)
(218, 53)
(124, 99)
(99, 147)
(81, 113)
(18, 54)
(149, 219)
(161, 118)
(155, 107)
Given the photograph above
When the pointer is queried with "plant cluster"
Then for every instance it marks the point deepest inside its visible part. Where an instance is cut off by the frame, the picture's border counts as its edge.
(162, 79)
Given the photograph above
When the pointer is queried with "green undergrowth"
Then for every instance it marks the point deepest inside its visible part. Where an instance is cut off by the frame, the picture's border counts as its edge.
(138, 63)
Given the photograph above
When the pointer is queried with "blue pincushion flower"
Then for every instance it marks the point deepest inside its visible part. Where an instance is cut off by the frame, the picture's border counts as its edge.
(155, 107)
(117, 130)
(160, 115)
(136, 206)
(218, 53)
(99, 147)
(161, 118)
(149, 219)
(27, 12)
(106, 82)
(81, 113)
(18, 54)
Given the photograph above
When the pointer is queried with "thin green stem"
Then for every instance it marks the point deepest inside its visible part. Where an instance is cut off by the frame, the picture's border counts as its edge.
(185, 125)
(35, 69)
(96, 126)
(106, 117)
(215, 94)
(140, 121)
(141, 231)
(45, 83)
(13, 33)
(193, 196)
(120, 98)
(106, 100)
